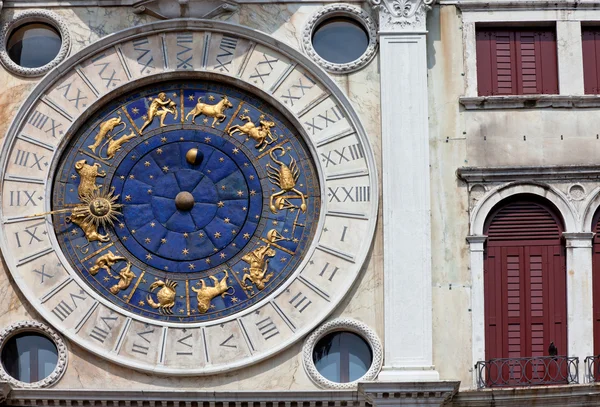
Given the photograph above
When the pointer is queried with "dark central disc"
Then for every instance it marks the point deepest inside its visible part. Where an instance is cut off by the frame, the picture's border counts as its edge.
(184, 201)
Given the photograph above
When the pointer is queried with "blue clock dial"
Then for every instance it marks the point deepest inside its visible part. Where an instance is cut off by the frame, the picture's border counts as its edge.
(186, 202)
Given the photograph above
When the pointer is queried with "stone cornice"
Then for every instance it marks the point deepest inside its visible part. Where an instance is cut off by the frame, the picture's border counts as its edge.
(402, 15)
(158, 398)
(507, 174)
(498, 5)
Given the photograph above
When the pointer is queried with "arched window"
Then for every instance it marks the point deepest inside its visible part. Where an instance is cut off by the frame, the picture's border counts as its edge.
(524, 286)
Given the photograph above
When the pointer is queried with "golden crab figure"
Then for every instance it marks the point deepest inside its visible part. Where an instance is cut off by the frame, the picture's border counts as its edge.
(165, 296)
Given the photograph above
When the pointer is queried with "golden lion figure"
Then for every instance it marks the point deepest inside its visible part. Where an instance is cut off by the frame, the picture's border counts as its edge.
(105, 128)
(215, 111)
(165, 296)
(160, 107)
(205, 294)
(258, 259)
(126, 276)
(105, 262)
(87, 174)
(90, 229)
(262, 135)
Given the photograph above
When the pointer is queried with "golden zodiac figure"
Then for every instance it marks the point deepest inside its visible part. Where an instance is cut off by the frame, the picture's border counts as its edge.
(115, 145)
(285, 177)
(90, 229)
(125, 277)
(105, 262)
(258, 259)
(262, 135)
(160, 107)
(165, 296)
(87, 174)
(105, 128)
(215, 111)
(205, 294)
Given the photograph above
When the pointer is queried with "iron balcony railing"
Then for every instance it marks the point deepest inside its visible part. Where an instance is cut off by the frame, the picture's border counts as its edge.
(592, 368)
(533, 371)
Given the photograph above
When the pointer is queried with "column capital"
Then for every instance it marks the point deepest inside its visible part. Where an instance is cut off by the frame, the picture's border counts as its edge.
(402, 15)
(476, 242)
(578, 239)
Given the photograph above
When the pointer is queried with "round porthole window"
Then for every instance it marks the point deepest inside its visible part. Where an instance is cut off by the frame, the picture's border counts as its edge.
(342, 352)
(33, 45)
(341, 38)
(34, 42)
(342, 357)
(31, 355)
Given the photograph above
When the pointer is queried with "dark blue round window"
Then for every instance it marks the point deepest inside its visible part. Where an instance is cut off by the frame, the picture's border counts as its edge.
(342, 357)
(33, 45)
(340, 40)
(29, 357)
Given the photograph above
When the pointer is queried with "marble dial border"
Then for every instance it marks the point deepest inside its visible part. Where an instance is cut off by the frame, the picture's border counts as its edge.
(297, 61)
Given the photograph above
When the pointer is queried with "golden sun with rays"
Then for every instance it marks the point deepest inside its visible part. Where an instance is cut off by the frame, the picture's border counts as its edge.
(99, 208)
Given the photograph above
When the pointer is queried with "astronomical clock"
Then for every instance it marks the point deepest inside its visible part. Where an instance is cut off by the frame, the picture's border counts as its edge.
(186, 202)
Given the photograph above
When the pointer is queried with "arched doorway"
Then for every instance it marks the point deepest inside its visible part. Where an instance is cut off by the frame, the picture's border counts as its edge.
(525, 288)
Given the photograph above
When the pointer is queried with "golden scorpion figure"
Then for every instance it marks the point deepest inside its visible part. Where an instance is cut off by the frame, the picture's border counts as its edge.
(285, 177)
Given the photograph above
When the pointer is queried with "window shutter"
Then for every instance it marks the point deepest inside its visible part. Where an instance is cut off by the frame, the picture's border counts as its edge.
(516, 62)
(591, 52)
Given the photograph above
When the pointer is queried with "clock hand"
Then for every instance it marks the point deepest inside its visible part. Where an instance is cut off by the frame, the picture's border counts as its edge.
(52, 212)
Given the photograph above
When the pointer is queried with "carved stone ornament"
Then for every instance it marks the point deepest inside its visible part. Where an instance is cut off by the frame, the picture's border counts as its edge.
(35, 327)
(167, 9)
(340, 10)
(342, 325)
(402, 14)
(34, 16)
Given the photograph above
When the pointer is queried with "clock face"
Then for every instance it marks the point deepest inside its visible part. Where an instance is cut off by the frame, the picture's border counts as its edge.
(186, 202)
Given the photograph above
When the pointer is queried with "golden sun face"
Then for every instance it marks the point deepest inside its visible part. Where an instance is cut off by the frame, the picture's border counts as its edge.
(99, 208)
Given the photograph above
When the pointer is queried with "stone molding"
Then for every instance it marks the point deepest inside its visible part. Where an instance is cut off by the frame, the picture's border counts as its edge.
(168, 9)
(34, 16)
(338, 325)
(409, 394)
(528, 173)
(529, 102)
(35, 327)
(337, 10)
(402, 15)
(499, 5)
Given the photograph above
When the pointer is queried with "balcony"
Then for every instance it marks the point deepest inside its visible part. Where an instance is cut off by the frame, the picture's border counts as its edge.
(533, 371)
(592, 369)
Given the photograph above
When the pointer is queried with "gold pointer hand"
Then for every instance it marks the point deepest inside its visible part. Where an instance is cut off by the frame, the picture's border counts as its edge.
(52, 212)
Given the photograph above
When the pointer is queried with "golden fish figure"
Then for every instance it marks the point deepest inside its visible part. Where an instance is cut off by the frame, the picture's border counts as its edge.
(115, 145)
(87, 177)
(215, 111)
(262, 135)
(165, 296)
(205, 294)
(105, 128)
(285, 177)
(125, 277)
(160, 107)
(105, 262)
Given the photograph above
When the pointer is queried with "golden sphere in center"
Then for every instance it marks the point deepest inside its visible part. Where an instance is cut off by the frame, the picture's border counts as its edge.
(184, 201)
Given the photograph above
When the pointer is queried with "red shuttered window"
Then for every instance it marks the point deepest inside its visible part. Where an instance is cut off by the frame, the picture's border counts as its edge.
(524, 282)
(591, 54)
(516, 62)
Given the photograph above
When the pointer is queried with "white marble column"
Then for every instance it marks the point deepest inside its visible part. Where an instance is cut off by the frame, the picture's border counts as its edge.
(476, 247)
(580, 318)
(406, 194)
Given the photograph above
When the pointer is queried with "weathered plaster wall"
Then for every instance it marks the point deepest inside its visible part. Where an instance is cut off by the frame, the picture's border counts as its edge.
(284, 371)
(450, 264)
